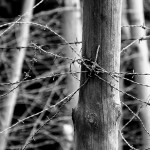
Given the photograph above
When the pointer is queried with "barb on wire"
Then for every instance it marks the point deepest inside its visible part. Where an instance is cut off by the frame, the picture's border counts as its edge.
(55, 55)
(138, 39)
(133, 26)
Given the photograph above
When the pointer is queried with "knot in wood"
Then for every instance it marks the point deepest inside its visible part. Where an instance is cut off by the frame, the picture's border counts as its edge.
(92, 118)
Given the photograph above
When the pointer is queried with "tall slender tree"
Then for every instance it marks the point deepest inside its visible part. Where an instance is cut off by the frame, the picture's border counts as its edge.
(72, 32)
(8, 105)
(125, 34)
(141, 63)
(96, 117)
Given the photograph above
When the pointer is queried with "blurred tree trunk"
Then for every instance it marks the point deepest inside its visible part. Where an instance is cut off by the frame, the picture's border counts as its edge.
(96, 117)
(125, 34)
(141, 62)
(16, 69)
(72, 32)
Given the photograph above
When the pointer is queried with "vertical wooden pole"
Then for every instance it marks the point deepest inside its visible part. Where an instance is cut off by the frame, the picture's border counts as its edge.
(96, 117)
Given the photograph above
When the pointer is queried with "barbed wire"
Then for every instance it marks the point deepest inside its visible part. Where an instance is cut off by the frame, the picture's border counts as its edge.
(94, 67)
(41, 46)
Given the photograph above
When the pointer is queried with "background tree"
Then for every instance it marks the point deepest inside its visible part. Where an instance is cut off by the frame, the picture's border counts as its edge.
(9, 102)
(72, 32)
(125, 35)
(141, 62)
(96, 118)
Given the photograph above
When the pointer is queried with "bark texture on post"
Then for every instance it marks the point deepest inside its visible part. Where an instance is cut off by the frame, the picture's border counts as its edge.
(141, 63)
(96, 117)
(9, 103)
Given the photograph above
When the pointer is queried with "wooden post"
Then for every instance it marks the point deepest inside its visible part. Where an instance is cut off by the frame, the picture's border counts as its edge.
(96, 117)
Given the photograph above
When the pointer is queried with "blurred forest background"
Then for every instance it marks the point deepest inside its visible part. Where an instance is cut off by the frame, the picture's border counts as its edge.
(40, 68)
